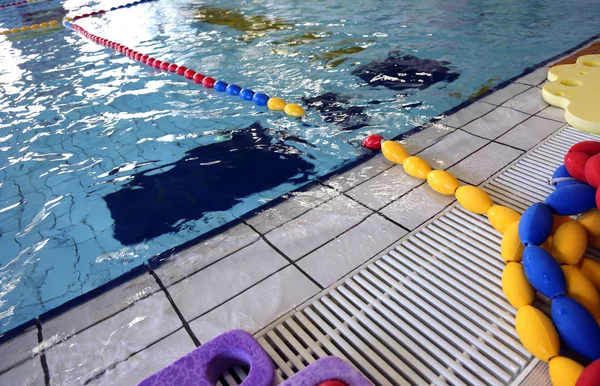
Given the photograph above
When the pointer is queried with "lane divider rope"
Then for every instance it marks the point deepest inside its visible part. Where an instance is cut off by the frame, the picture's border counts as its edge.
(19, 3)
(46, 24)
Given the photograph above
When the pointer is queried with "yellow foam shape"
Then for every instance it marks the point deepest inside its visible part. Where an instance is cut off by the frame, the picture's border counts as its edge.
(564, 371)
(581, 289)
(569, 243)
(293, 110)
(442, 182)
(537, 333)
(576, 89)
(473, 199)
(502, 217)
(416, 167)
(276, 104)
(393, 152)
(511, 247)
(516, 287)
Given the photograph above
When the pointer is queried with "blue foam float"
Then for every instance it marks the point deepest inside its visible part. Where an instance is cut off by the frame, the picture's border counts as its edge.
(571, 200)
(562, 178)
(233, 89)
(536, 223)
(260, 99)
(220, 86)
(246, 94)
(543, 272)
(576, 326)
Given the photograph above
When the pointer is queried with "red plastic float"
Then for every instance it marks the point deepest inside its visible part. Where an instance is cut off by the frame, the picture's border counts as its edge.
(181, 70)
(173, 67)
(590, 376)
(208, 82)
(372, 142)
(150, 61)
(332, 383)
(157, 64)
(198, 77)
(583, 163)
(165, 66)
(189, 73)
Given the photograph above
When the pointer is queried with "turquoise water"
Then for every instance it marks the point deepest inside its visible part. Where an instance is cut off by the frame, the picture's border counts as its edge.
(105, 162)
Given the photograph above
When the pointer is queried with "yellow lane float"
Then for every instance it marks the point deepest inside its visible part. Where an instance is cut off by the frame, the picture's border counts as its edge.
(502, 217)
(569, 243)
(511, 247)
(276, 104)
(474, 199)
(416, 167)
(516, 287)
(393, 152)
(293, 110)
(442, 182)
(591, 222)
(591, 269)
(537, 333)
(564, 371)
(581, 289)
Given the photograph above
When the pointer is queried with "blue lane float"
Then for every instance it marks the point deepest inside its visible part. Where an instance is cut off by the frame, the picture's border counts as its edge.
(544, 272)
(233, 89)
(536, 224)
(246, 94)
(572, 199)
(220, 86)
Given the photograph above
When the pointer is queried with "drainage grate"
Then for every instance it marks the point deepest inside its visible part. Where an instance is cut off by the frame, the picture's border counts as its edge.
(431, 311)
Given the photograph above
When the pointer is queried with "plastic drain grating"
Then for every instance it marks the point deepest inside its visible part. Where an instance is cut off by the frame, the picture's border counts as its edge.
(431, 311)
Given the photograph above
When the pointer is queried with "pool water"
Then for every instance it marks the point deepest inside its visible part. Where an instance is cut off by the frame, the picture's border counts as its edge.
(105, 162)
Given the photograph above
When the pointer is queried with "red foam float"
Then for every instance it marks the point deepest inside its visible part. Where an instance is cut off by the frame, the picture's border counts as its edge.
(150, 61)
(592, 171)
(173, 67)
(165, 65)
(138, 56)
(372, 142)
(189, 73)
(208, 82)
(587, 147)
(157, 64)
(332, 383)
(144, 58)
(575, 163)
(181, 70)
(198, 77)
(590, 375)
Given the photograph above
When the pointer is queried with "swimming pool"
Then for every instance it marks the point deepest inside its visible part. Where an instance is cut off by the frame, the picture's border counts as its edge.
(105, 162)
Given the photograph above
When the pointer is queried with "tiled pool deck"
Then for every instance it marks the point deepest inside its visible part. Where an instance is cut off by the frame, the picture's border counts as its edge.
(258, 271)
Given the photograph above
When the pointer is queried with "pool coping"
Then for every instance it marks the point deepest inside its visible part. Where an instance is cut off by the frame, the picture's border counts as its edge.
(158, 260)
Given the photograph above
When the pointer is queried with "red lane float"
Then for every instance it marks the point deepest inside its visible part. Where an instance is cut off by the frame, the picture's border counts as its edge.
(583, 163)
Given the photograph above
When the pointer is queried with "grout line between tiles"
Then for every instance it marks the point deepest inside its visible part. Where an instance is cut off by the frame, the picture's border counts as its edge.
(186, 326)
(43, 361)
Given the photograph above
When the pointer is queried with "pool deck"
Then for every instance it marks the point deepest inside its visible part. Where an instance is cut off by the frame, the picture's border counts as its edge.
(261, 270)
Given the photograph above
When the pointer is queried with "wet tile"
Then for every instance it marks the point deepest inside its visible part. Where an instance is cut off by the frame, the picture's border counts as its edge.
(482, 164)
(257, 307)
(529, 133)
(495, 123)
(416, 207)
(530, 102)
(113, 340)
(225, 279)
(29, 373)
(147, 362)
(451, 149)
(466, 115)
(316, 227)
(429, 135)
(18, 349)
(360, 173)
(343, 254)
(193, 259)
(534, 78)
(100, 308)
(297, 204)
(506, 93)
(553, 112)
(384, 188)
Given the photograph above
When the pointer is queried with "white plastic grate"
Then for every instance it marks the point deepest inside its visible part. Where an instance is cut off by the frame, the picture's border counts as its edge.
(432, 310)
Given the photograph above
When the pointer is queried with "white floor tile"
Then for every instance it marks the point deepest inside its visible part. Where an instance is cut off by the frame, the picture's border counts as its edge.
(530, 133)
(384, 188)
(426, 137)
(145, 363)
(199, 256)
(358, 174)
(257, 307)
(466, 115)
(534, 78)
(506, 93)
(343, 254)
(18, 349)
(213, 285)
(451, 149)
(416, 207)
(316, 227)
(554, 113)
(90, 352)
(496, 122)
(100, 307)
(297, 204)
(29, 373)
(482, 164)
(530, 102)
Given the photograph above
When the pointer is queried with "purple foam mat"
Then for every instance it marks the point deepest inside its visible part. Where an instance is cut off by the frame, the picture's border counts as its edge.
(328, 369)
(204, 365)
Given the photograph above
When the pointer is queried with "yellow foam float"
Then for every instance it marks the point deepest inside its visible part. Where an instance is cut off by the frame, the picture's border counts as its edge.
(416, 167)
(442, 182)
(569, 243)
(581, 289)
(473, 199)
(276, 104)
(564, 371)
(502, 217)
(511, 247)
(516, 287)
(591, 269)
(576, 89)
(394, 152)
(537, 333)
(591, 222)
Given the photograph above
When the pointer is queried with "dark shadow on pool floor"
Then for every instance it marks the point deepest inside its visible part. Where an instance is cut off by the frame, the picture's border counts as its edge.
(209, 178)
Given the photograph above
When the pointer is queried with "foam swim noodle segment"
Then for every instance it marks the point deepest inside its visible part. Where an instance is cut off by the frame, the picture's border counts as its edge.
(576, 89)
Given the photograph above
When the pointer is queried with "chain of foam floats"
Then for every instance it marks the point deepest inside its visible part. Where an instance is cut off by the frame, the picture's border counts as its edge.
(44, 25)
(534, 246)
(19, 3)
(258, 98)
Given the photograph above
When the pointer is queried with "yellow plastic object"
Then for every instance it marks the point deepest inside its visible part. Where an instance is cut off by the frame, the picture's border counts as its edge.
(276, 104)
(442, 182)
(558, 221)
(25, 28)
(474, 199)
(5, 32)
(68, 18)
(293, 110)
(574, 88)
(15, 30)
(53, 22)
(569, 243)
(516, 287)
(581, 289)
(564, 371)
(547, 245)
(537, 333)
(502, 217)
(44, 24)
(591, 222)
(416, 167)
(34, 26)
(511, 247)
(591, 269)
(393, 152)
